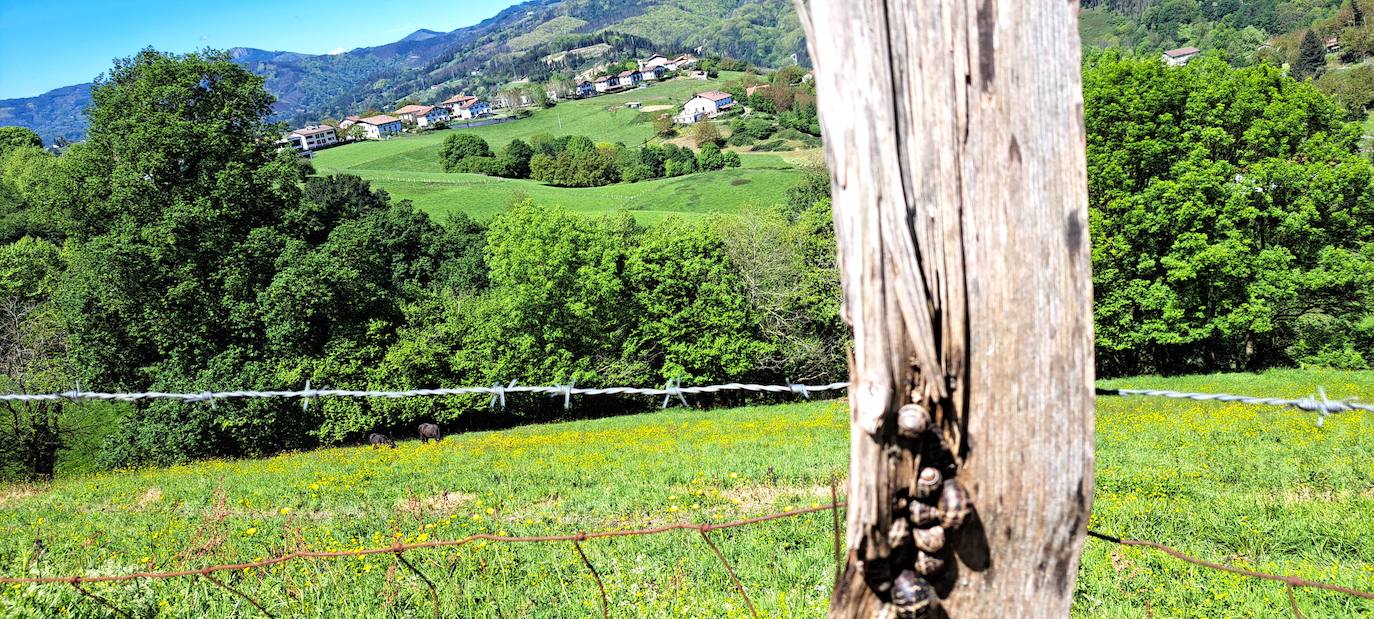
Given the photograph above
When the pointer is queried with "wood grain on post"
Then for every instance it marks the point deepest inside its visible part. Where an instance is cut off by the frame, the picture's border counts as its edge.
(954, 135)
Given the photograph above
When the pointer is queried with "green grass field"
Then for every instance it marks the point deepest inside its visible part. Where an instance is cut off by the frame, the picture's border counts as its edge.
(408, 166)
(1258, 487)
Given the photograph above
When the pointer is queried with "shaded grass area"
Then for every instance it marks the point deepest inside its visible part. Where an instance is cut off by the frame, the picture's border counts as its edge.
(1258, 487)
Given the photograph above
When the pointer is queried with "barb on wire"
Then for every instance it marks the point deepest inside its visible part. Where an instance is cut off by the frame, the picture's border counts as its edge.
(673, 388)
(76, 584)
(605, 605)
(210, 577)
(567, 392)
(799, 389)
(433, 591)
(1319, 403)
(706, 536)
(499, 392)
(1292, 581)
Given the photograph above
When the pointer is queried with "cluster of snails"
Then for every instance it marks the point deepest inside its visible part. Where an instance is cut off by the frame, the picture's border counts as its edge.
(938, 505)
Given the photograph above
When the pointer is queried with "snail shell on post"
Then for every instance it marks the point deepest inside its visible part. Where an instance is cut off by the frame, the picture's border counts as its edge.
(912, 596)
(929, 540)
(955, 505)
(924, 515)
(928, 483)
(912, 421)
(927, 564)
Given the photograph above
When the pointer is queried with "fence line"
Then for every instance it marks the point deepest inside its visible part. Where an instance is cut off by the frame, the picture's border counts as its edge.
(398, 550)
(498, 392)
(1319, 403)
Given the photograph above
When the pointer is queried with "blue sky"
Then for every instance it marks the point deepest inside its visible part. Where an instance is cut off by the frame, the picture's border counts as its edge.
(45, 44)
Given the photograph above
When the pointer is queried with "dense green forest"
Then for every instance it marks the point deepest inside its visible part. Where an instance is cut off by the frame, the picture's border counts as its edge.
(178, 250)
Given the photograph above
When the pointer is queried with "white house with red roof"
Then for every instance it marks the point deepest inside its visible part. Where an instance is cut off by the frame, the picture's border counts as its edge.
(380, 126)
(707, 104)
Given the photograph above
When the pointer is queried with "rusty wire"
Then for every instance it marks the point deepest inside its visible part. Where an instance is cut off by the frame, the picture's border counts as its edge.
(706, 537)
(241, 594)
(1291, 581)
(605, 604)
(433, 591)
(100, 600)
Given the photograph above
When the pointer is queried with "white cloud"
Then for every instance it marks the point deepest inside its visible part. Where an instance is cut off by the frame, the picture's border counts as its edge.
(336, 51)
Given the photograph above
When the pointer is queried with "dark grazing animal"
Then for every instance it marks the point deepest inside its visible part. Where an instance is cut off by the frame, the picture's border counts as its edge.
(377, 440)
(429, 431)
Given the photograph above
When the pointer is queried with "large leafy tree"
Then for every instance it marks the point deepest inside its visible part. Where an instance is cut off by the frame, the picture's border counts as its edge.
(1230, 212)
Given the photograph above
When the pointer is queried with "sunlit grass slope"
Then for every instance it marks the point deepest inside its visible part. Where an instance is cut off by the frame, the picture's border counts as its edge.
(1259, 487)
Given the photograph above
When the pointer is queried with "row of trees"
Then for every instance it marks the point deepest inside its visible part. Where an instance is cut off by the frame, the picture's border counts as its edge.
(577, 161)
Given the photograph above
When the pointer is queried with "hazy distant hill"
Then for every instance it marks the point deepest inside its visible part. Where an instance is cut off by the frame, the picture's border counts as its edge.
(478, 58)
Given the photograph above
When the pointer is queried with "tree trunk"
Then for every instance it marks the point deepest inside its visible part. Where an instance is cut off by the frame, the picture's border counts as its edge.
(955, 139)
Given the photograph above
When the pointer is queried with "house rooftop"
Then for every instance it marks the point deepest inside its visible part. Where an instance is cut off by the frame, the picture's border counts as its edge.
(308, 131)
(467, 104)
(628, 73)
(380, 119)
(458, 99)
(604, 78)
(414, 109)
(1182, 51)
(715, 95)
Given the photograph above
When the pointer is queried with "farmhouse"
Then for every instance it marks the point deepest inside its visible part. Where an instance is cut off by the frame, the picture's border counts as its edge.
(707, 104)
(407, 113)
(1181, 56)
(606, 82)
(681, 62)
(380, 126)
(630, 78)
(585, 89)
(470, 108)
(432, 114)
(653, 62)
(655, 73)
(314, 138)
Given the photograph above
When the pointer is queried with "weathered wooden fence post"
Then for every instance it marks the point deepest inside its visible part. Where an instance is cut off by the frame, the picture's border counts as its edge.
(954, 133)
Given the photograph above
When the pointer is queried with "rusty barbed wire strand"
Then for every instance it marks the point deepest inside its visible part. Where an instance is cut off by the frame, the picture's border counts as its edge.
(433, 591)
(1292, 581)
(605, 604)
(706, 537)
(1293, 601)
(241, 594)
(393, 549)
(100, 600)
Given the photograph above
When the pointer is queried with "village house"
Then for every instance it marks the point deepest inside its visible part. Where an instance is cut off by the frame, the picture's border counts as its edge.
(1333, 45)
(709, 103)
(470, 109)
(1181, 56)
(585, 89)
(606, 82)
(380, 126)
(654, 73)
(431, 115)
(681, 62)
(314, 138)
(630, 78)
(407, 113)
(652, 62)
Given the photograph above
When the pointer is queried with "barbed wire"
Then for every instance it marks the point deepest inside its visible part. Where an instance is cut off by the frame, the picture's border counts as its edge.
(1318, 403)
(399, 549)
(498, 392)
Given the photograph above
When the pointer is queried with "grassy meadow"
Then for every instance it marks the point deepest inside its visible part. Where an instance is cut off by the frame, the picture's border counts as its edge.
(1258, 487)
(408, 166)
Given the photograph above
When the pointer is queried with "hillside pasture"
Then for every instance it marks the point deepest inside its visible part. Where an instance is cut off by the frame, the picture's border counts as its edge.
(1258, 487)
(408, 166)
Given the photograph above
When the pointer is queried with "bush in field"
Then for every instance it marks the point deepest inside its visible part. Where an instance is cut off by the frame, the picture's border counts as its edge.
(459, 147)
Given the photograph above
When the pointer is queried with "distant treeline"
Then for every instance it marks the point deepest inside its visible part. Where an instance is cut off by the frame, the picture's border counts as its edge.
(577, 161)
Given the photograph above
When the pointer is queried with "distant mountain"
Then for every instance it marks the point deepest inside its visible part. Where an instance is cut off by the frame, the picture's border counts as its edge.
(515, 44)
